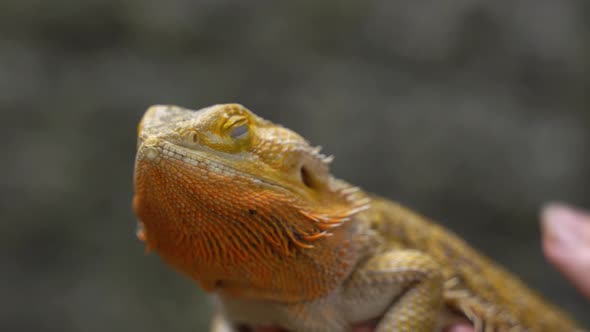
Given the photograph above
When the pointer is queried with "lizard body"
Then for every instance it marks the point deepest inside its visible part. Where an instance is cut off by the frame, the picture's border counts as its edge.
(250, 211)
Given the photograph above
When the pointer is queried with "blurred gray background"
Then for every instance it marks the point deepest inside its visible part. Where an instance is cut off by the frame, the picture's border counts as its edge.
(473, 112)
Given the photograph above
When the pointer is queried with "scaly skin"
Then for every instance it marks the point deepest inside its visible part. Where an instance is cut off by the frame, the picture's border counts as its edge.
(250, 211)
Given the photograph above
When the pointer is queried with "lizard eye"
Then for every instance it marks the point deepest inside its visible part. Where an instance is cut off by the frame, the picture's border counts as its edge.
(239, 131)
(236, 126)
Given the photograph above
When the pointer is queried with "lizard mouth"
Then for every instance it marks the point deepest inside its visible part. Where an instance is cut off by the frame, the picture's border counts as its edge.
(157, 149)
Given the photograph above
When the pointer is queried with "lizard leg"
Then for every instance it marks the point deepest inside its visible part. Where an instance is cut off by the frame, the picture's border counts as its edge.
(417, 284)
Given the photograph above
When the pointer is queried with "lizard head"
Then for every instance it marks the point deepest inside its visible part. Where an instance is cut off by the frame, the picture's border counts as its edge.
(222, 173)
(232, 136)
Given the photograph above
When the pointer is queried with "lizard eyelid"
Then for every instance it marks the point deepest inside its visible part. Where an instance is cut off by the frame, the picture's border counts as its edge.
(239, 131)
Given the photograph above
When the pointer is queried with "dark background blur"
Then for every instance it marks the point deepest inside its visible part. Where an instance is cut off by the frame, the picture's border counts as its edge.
(473, 112)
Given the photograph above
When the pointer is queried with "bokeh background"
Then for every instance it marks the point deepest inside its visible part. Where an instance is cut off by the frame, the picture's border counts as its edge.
(473, 112)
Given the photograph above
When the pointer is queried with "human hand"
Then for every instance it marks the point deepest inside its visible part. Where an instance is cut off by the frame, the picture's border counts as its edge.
(566, 243)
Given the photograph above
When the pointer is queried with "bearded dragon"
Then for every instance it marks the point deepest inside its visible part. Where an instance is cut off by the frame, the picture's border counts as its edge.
(250, 211)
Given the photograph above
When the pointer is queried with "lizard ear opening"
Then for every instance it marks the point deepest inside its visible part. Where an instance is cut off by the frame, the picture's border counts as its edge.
(313, 174)
(307, 178)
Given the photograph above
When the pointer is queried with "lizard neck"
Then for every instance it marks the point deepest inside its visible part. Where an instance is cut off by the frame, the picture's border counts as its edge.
(259, 243)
